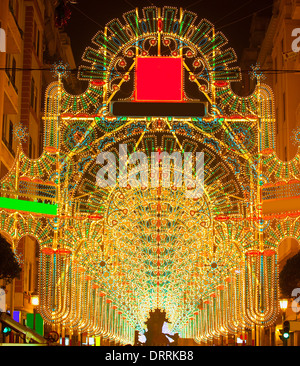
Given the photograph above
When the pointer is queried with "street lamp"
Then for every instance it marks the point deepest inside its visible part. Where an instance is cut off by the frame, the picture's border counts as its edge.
(283, 306)
(35, 301)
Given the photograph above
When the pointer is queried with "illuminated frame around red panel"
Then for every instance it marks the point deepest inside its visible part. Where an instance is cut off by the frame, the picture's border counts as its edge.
(159, 79)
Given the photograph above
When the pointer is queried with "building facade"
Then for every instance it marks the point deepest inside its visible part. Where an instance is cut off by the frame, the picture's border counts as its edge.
(271, 46)
(32, 44)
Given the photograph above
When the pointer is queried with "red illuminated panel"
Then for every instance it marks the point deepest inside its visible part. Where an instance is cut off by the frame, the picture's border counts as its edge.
(159, 79)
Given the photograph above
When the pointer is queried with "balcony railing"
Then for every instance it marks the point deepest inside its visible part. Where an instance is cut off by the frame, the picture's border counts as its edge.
(11, 80)
(281, 190)
(14, 34)
(9, 146)
(10, 105)
(13, 14)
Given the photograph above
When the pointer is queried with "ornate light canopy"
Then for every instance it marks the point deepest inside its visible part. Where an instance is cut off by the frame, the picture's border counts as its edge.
(111, 255)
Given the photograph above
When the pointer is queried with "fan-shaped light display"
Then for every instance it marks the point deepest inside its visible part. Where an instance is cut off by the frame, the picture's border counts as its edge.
(111, 255)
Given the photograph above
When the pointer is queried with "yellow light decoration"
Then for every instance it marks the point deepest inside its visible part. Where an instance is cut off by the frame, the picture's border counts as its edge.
(111, 255)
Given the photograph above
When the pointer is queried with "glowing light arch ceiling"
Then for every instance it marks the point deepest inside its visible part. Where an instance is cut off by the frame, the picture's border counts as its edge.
(130, 244)
(110, 255)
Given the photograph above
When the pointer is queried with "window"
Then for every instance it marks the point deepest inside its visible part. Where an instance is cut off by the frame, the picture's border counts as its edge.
(10, 69)
(33, 95)
(36, 39)
(32, 92)
(38, 43)
(31, 151)
(10, 135)
(30, 147)
(11, 5)
(30, 277)
(283, 107)
(41, 135)
(37, 250)
(4, 128)
(14, 8)
(35, 99)
(285, 153)
(7, 62)
(13, 71)
(34, 35)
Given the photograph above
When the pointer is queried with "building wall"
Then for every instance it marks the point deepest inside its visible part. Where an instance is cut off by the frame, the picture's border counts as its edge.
(273, 51)
(286, 86)
(33, 43)
(10, 80)
(285, 82)
(271, 47)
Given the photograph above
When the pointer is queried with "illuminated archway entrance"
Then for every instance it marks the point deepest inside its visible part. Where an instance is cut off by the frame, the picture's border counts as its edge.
(111, 255)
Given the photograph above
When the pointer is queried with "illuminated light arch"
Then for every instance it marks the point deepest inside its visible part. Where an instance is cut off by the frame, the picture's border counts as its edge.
(111, 255)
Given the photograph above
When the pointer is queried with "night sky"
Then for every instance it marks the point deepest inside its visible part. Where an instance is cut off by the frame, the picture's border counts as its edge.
(232, 17)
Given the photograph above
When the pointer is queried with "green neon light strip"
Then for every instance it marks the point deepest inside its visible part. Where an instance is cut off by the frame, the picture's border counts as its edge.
(28, 206)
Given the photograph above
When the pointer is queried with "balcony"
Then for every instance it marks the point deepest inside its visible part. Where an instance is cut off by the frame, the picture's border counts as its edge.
(281, 206)
(14, 35)
(281, 197)
(10, 105)
(8, 145)
(295, 14)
